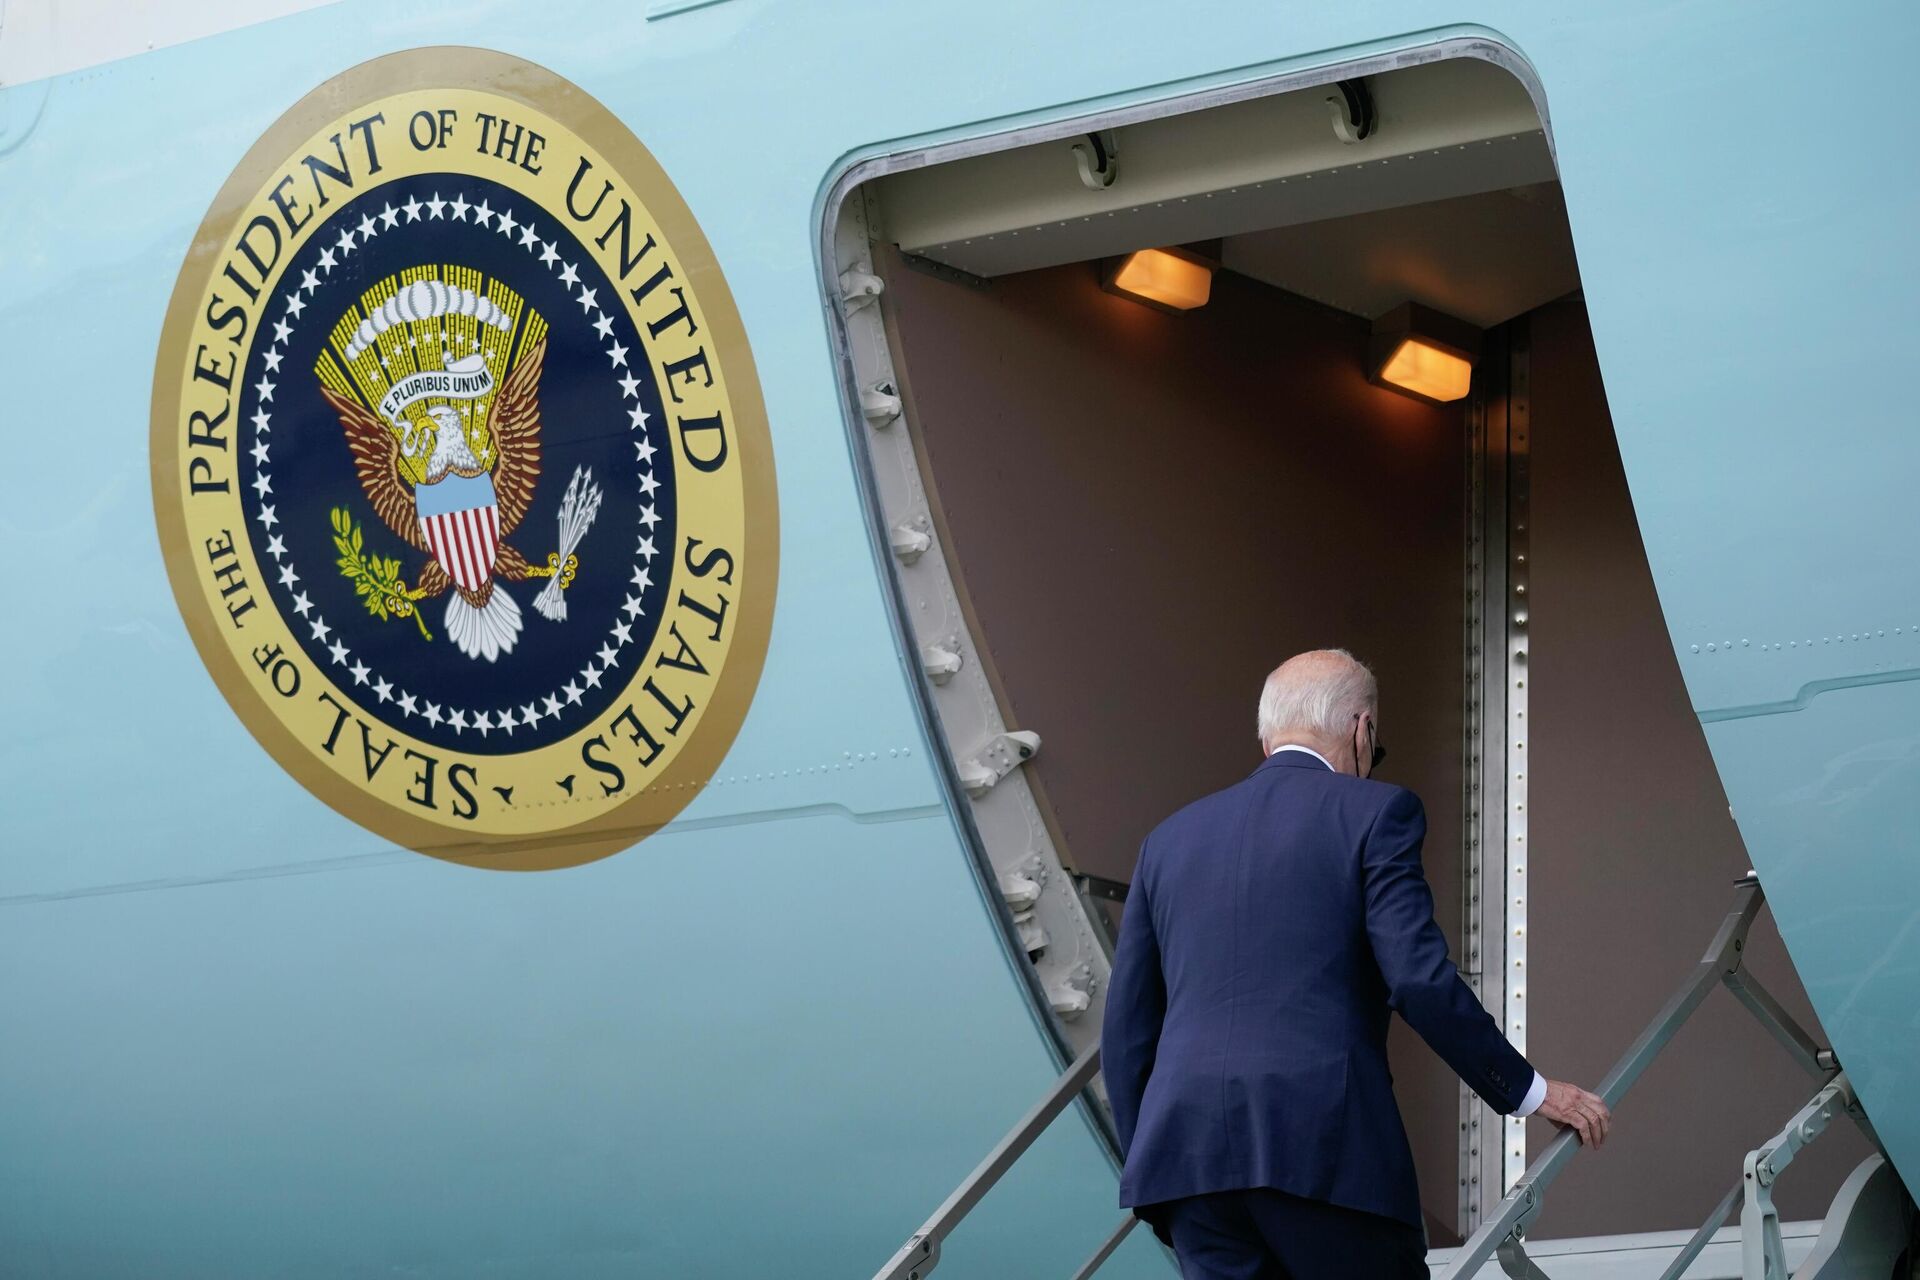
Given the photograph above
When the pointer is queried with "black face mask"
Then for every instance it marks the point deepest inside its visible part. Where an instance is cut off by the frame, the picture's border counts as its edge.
(1379, 752)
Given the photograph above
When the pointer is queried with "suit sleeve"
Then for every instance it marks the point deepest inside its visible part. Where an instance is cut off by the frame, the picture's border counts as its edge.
(1136, 1008)
(1422, 983)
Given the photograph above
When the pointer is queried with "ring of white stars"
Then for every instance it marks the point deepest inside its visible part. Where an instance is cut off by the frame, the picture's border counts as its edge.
(483, 721)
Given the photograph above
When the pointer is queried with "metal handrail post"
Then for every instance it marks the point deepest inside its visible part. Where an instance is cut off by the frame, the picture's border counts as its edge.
(1760, 1169)
(1703, 1236)
(1515, 1262)
(1762, 1255)
(1503, 1235)
(1723, 955)
(1105, 1251)
(1522, 1204)
(921, 1253)
(1802, 1047)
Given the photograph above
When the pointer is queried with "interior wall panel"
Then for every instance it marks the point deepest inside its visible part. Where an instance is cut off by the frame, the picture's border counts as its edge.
(1150, 511)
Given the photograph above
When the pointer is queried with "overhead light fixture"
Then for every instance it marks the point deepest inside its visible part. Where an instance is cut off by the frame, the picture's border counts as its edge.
(1419, 352)
(1169, 279)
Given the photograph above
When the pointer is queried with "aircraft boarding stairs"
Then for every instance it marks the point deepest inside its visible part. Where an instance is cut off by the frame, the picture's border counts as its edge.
(1864, 1236)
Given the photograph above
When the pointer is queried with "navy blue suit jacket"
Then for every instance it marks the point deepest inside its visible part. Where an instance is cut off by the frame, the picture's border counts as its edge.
(1269, 930)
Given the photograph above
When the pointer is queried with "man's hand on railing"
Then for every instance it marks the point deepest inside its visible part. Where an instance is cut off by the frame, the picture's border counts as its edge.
(1571, 1107)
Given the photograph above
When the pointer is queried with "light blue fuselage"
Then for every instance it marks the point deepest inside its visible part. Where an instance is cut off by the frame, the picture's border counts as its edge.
(245, 1036)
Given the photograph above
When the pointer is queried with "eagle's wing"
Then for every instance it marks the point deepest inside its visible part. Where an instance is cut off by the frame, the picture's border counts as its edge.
(376, 458)
(514, 425)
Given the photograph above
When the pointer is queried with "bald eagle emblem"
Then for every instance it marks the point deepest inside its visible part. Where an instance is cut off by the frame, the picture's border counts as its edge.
(447, 451)
(463, 482)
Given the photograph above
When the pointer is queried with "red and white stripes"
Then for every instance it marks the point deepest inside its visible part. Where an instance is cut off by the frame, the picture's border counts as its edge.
(465, 543)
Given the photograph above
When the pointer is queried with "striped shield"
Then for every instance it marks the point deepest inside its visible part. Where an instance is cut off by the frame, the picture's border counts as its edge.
(462, 526)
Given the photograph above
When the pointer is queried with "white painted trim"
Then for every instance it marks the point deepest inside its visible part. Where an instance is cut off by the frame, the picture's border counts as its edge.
(1635, 1257)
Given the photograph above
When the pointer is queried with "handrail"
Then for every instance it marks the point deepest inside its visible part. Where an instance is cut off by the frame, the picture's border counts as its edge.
(1504, 1233)
(921, 1253)
(1105, 1251)
(1762, 1255)
(1759, 1223)
(1523, 1203)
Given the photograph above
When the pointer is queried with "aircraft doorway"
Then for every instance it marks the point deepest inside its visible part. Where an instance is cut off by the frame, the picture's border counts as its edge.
(1106, 521)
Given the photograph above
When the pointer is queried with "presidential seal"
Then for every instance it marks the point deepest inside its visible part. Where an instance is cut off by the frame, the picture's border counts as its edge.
(460, 466)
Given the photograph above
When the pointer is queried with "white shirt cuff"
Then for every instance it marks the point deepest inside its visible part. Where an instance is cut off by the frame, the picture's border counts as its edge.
(1536, 1094)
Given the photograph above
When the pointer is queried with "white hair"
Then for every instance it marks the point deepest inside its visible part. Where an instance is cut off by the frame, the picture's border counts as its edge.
(1319, 693)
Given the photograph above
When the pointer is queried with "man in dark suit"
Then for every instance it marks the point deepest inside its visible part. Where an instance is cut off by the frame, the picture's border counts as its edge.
(1269, 930)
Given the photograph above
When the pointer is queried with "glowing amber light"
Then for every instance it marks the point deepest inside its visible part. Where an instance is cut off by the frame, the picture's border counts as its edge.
(1428, 371)
(1165, 279)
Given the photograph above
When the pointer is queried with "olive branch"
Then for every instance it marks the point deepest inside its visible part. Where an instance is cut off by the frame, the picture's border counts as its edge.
(376, 579)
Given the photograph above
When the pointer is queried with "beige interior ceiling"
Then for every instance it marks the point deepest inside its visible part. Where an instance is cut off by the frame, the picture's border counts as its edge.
(1483, 258)
(1452, 201)
(1444, 129)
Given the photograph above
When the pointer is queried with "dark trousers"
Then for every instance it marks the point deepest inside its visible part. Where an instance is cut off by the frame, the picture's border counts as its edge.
(1261, 1234)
